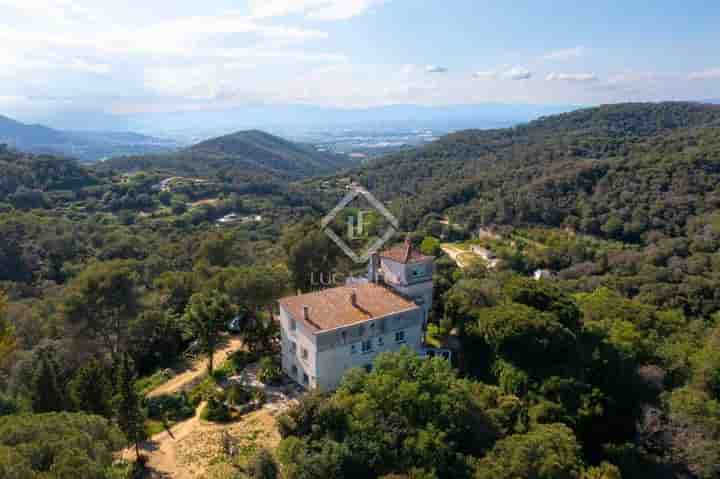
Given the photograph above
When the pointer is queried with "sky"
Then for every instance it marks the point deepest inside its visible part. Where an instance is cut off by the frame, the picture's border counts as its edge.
(165, 56)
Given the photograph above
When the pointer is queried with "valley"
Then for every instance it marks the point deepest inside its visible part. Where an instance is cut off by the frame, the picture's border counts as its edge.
(574, 277)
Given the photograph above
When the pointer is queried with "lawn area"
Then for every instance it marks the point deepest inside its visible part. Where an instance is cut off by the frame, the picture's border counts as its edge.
(147, 383)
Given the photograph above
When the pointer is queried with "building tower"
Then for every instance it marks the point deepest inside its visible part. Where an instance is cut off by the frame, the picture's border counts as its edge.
(407, 271)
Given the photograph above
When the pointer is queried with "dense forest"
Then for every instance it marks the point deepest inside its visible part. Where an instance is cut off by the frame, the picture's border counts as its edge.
(249, 155)
(609, 369)
(637, 173)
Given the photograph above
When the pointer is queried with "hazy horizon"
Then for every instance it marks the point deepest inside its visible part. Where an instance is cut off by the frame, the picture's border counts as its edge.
(103, 58)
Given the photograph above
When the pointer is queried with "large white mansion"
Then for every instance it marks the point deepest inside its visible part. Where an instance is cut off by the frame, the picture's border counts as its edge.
(325, 333)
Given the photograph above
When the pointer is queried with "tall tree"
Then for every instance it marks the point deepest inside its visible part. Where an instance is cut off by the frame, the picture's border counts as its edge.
(101, 301)
(7, 338)
(255, 289)
(216, 251)
(129, 414)
(90, 389)
(45, 391)
(205, 317)
(175, 289)
(311, 256)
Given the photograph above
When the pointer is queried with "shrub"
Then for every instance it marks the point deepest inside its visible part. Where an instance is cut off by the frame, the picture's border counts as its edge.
(259, 396)
(216, 411)
(57, 445)
(148, 383)
(262, 466)
(203, 391)
(269, 372)
(8, 406)
(173, 407)
(240, 359)
(237, 394)
(430, 246)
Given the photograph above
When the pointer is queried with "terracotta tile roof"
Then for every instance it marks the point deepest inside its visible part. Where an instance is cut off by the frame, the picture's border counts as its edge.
(333, 308)
(404, 253)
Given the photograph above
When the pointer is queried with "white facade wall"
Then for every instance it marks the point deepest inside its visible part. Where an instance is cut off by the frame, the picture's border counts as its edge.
(303, 339)
(331, 353)
(334, 361)
(401, 278)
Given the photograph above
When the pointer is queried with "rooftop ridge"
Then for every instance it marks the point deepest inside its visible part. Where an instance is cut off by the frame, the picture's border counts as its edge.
(332, 308)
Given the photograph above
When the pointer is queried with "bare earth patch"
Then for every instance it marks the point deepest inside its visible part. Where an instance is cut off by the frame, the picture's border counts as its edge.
(210, 201)
(196, 372)
(195, 445)
(193, 448)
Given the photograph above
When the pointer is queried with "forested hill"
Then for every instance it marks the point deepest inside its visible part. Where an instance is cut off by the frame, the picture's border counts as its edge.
(618, 171)
(27, 179)
(83, 145)
(243, 154)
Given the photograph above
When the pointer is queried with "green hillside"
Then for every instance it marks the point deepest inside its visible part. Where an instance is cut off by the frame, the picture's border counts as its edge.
(86, 146)
(643, 174)
(632, 163)
(242, 155)
(26, 179)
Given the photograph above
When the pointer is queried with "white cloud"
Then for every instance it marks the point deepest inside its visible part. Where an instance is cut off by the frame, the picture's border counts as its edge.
(505, 73)
(516, 73)
(59, 10)
(712, 74)
(314, 9)
(571, 77)
(565, 54)
(82, 65)
(435, 69)
(486, 75)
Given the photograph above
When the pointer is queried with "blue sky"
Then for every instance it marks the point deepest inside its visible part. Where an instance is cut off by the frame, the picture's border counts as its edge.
(162, 55)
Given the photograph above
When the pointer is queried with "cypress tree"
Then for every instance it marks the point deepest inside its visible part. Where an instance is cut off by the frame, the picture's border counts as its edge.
(46, 393)
(129, 415)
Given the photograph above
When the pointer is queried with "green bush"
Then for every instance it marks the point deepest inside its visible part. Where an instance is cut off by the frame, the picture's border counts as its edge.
(146, 384)
(8, 405)
(269, 372)
(237, 394)
(263, 466)
(259, 396)
(202, 392)
(215, 410)
(173, 407)
(430, 246)
(57, 445)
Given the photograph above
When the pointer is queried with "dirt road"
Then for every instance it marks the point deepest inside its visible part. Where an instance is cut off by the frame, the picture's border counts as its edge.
(191, 447)
(454, 254)
(197, 370)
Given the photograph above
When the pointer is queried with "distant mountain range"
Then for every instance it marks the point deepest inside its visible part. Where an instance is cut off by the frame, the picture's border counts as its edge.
(83, 145)
(246, 154)
(294, 121)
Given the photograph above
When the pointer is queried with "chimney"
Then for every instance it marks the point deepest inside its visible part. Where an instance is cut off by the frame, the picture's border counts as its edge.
(408, 249)
(353, 297)
(373, 268)
(306, 313)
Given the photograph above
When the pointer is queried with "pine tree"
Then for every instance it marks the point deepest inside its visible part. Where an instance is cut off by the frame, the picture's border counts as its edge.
(46, 393)
(90, 389)
(205, 317)
(7, 339)
(129, 415)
